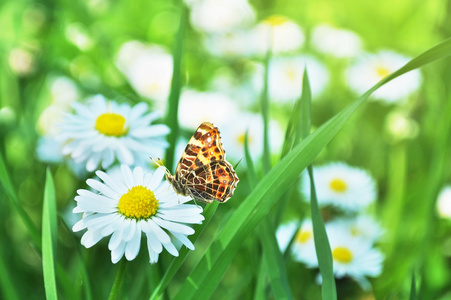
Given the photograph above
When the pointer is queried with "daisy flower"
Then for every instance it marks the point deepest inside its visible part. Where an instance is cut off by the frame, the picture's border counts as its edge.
(148, 69)
(22, 61)
(340, 43)
(285, 233)
(286, 35)
(229, 44)
(370, 69)
(285, 77)
(362, 226)
(129, 206)
(234, 132)
(196, 107)
(102, 131)
(353, 256)
(399, 126)
(219, 16)
(303, 248)
(337, 184)
(444, 203)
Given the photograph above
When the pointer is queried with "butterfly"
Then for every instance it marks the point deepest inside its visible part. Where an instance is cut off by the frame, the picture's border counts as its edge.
(203, 173)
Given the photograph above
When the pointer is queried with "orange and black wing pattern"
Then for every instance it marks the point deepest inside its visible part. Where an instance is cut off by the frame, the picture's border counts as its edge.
(202, 171)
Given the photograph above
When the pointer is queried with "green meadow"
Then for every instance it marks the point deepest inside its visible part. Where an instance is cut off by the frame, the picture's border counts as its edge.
(335, 117)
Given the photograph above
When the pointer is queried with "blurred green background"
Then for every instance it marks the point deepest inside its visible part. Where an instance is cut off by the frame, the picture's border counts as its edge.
(80, 41)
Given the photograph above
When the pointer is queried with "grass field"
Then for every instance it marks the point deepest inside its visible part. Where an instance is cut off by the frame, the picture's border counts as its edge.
(335, 116)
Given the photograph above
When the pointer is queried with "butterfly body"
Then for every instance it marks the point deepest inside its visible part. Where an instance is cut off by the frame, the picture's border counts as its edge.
(203, 172)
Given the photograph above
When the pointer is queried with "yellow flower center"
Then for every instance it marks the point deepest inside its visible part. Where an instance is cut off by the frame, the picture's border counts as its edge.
(342, 255)
(240, 138)
(303, 236)
(138, 203)
(338, 185)
(111, 124)
(382, 71)
(275, 20)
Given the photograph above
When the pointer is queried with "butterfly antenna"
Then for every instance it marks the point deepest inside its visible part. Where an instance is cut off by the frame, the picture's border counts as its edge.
(159, 164)
(237, 164)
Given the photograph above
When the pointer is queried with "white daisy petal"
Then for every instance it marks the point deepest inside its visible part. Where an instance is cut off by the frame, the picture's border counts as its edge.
(153, 256)
(175, 227)
(128, 176)
(184, 240)
(171, 249)
(159, 233)
(153, 242)
(118, 252)
(104, 189)
(152, 131)
(132, 247)
(118, 187)
(156, 178)
(138, 176)
(90, 238)
(129, 229)
(115, 240)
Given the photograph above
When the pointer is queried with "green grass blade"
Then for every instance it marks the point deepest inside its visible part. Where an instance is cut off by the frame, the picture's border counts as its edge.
(260, 285)
(265, 113)
(272, 258)
(306, 106)
(413, 288)
(322, 246)
(252, 174)
(49, 233)
(7, 289)
(81, 264)
(274, 262)
(174, 96)
(178, 261)
(12, 196)
(204, 278)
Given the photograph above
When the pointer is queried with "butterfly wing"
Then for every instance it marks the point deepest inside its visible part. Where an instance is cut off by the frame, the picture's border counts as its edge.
(215, 181)
(204, 147)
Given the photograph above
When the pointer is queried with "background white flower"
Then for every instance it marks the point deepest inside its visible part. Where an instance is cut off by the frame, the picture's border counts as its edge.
(371, 68)
(336, 42)
(285, 233)
(102, 131)
(233, 133)
(133, 204)
(148, 68)
(229, 44)
(303, 248)
(196, 107)
(286, 35)
(362, 226)
(353, 256)
(444, 202)
(285, 77)
(219, 16)
(342, 186)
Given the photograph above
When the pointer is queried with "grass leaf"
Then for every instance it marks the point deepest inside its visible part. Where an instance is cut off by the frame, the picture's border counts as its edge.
(174, 96)
(274, 262)
(205, 276)
(12, 196)
(322, 246)
(49, 232)
(177, 262)
(413, 288)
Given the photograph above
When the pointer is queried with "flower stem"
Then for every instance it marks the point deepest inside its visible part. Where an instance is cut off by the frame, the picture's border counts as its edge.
(118, 280)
